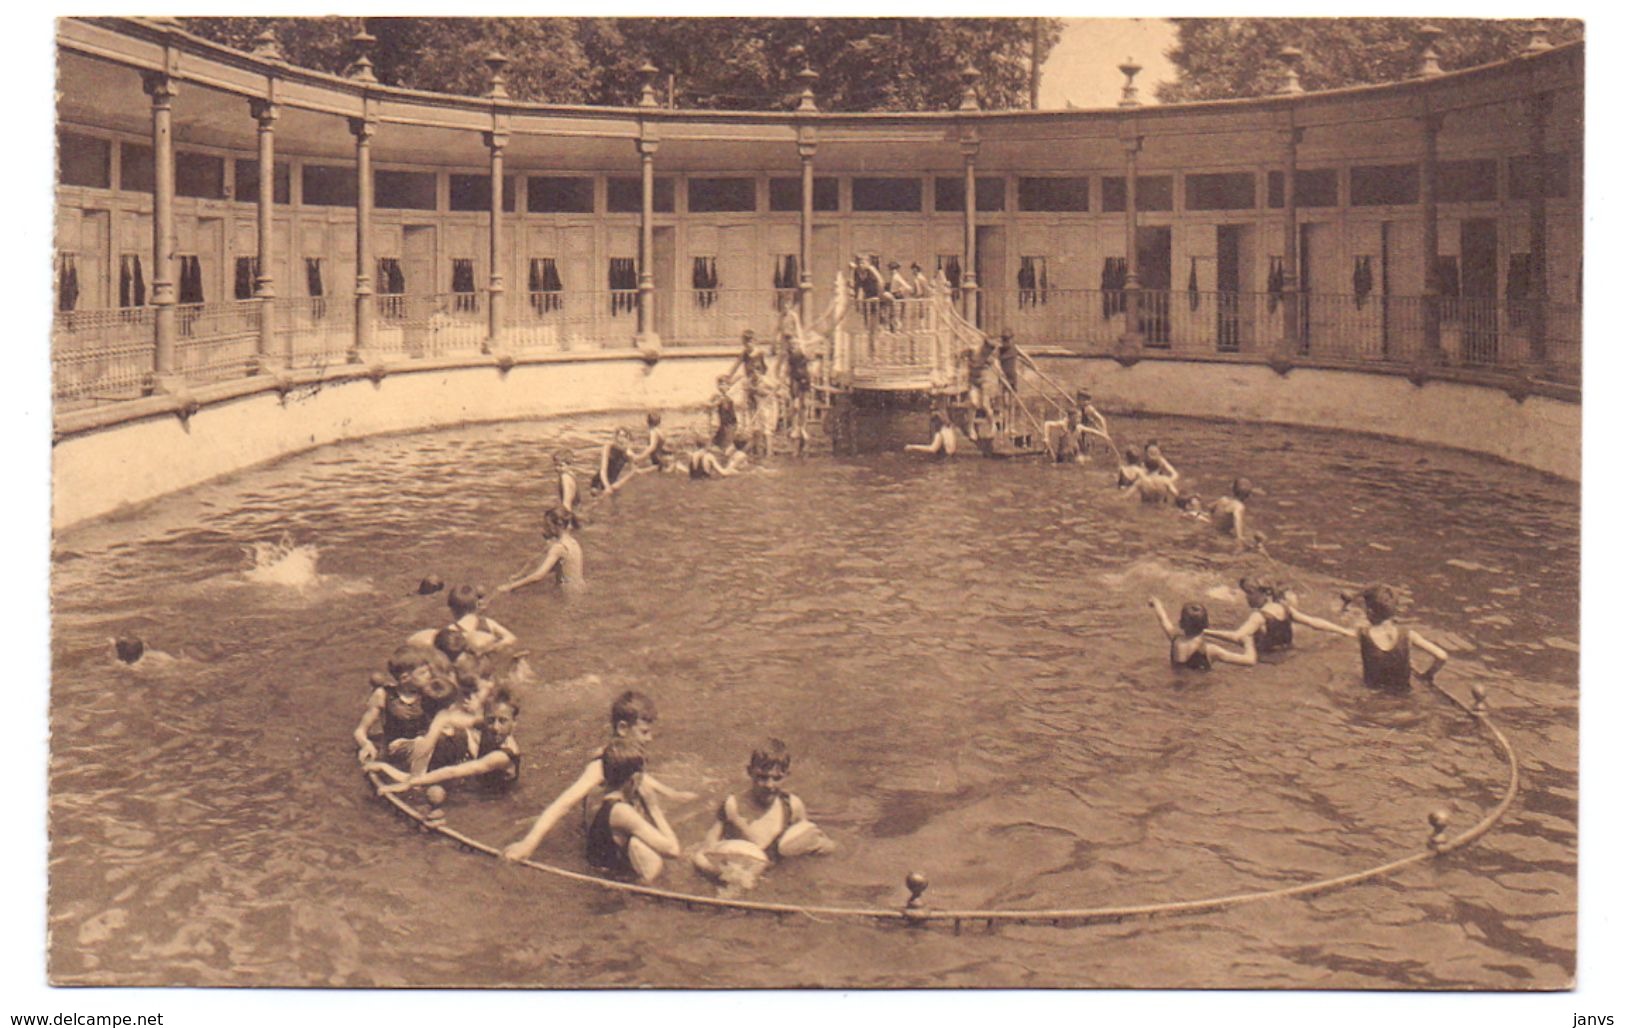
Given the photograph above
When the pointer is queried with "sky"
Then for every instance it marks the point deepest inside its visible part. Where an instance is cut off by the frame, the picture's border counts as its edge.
(1082, 69)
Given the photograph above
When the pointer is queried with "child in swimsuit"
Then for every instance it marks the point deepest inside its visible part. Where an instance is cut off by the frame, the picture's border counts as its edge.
(1385, 648)
(761, 826)
(1270, 623)
(1157, 464)
(1229, 513)
(568, 489)
(1132, 469)
(490, 755)
(397, 705)
(1187, 648)
(942, 445)
(726, 414)
(629, 834)
(631, 719)
(653, 454)
(481, 635)
(614, 464)
(563, 555)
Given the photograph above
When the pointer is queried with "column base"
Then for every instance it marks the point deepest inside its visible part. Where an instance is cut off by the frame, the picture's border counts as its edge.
(649, 346)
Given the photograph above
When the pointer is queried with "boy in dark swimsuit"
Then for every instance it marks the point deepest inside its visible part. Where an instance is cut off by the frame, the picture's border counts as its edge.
(489, 756)
(629, 834)
(1188, 649)
(1385, 648)
(1272, 617)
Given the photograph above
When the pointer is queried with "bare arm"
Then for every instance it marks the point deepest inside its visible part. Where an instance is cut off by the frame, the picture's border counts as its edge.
(1237, 521)
(1246, 658)
(1168, 627)
(659, 788)
(1319, 624)
(653, 831)
(934, 447)
(1247, 628)
(496, 760)
(503, 635)
(554, 553)
(1434, 650)
(423, 747)
(591, 777)
(366, 750)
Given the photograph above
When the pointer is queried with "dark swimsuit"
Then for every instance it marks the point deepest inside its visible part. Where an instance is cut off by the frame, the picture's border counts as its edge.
(618, 460)
(1275, 635)
(797, 371)
(1389, 670)
(727, 421)
(403, 726)
(603, 852)
(501, 779)
(1197, 661)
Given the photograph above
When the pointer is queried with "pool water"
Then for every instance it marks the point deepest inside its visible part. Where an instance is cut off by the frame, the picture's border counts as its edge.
(959, 655)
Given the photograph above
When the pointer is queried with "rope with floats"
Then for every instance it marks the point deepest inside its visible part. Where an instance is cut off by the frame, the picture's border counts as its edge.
(916, 912)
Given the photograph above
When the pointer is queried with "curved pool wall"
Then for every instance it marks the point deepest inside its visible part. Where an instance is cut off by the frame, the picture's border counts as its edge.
(102, 460)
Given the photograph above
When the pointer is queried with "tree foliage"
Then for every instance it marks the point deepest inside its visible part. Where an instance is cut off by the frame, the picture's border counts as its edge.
(1223, 58)
(864, 64)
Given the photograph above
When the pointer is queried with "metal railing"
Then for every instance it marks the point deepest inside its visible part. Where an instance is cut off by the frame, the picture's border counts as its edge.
(558, 321)
(104, 356)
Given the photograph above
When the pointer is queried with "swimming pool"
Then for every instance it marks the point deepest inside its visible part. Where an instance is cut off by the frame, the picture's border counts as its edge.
(959, 656)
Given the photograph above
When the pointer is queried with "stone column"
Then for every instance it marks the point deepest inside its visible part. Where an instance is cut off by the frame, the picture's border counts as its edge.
(265, 112)
(648, 145)
(1540, 106)
(1132, 141)
(970, 144)
(495, 141)
(365, 311)
(1289, 240)
(1431, 123)
(806, 147)
(161, 88)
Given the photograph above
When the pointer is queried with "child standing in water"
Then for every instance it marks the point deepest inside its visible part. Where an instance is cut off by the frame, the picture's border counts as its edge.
(761, 826)
(563, 462)
(1186, 646)
(629, 834)
(631, 719)
(726, 415)
(614, 463)
(1385, 648)
(481, 635)
(563, 556)
(1270, 623)
(653, 454)
(1229, 513)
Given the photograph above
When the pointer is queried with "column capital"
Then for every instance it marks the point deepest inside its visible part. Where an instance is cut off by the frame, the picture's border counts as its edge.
(648, 146)
(806, 149)
(160, 86)
(265, 112)
(970, 142)
(363, 129)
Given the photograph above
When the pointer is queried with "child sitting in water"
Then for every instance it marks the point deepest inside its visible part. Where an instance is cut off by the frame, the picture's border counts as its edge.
(563, 554)
(1385, 648)
(1229, 513)
(397, 704)
(1187, 648)
(1132, 469)
(1270, 623)
(1157, 464)
(629, 834)
(490, 756)
(631, 719)
(760, 827)
(943, 442)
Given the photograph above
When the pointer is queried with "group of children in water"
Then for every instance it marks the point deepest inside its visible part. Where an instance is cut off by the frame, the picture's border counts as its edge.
(439, 717)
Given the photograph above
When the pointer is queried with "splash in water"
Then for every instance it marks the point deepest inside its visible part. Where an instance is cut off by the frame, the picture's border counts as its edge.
(283, 563)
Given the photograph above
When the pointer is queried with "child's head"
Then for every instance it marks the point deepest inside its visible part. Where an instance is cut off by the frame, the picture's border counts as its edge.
(769, 766)
(414, 667)
(652, 419)
(463, 601)
(1257, 590)
(1193, 619)
(747, 337)
(129, 648)
(562, 459)
(451, 641)
(722, 384)
(633, 716)
(500, 714)
(1152, 450)
(1380, 603)
(1241, 489)
(622, 436)
(623, 762)
(742, 442)
(936, 422)
(557, 520)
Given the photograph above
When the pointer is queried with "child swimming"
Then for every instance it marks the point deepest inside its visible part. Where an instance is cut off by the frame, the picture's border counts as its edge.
(629, 833)
(1270, 623)
(1385, 648)
(1186, 646)
(944, 442)
(761, 826)
(632, 719)
(563, 555)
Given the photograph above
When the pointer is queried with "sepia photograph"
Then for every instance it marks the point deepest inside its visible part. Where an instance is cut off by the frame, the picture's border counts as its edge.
(840, 503)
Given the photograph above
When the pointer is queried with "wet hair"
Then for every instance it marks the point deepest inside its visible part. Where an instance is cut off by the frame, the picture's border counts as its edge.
(410, 657)
(1241, 488)
(632, 706)
(558, 518)
(430, 585)
(1132, 456)
(653, 418)
(937, 422)
(1259, 587)
(463, 600)
(129, 648)
(1380, 603)
(499, 696)
(770, 755)
(563, 457)
(1193, 619)
(747, 336)
(451, 641)
(468, 679)
(622, 759)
